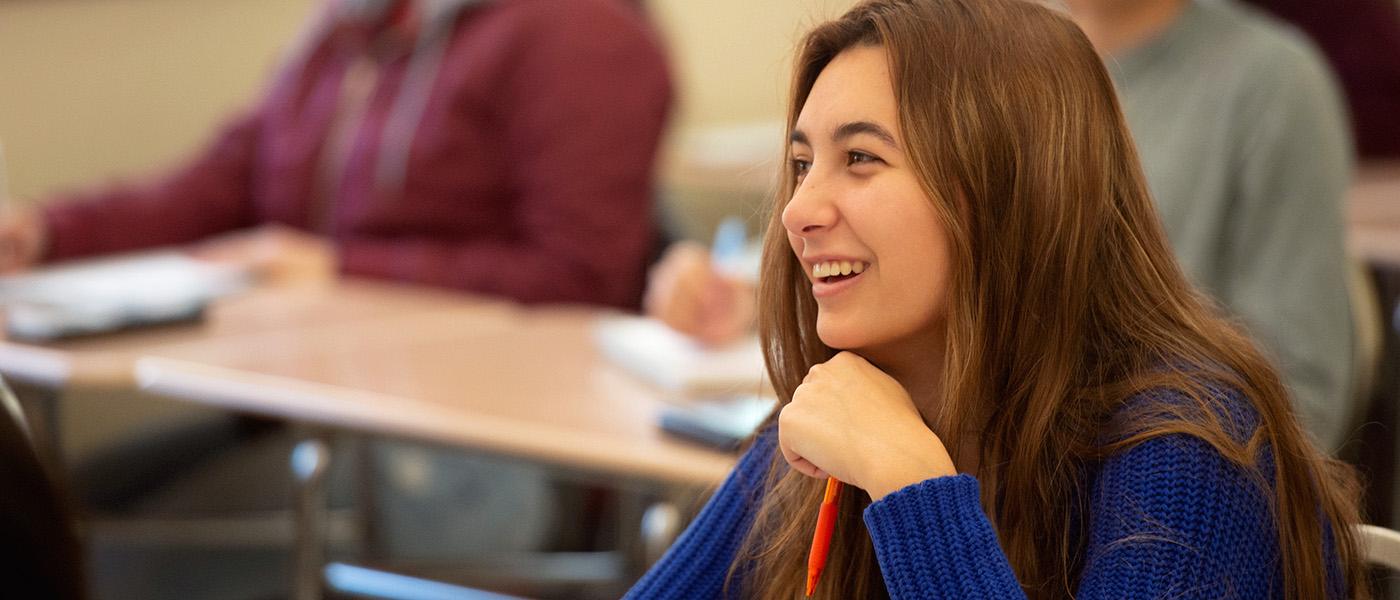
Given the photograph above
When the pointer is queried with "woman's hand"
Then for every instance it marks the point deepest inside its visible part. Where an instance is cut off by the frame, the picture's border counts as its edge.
(851, 421)
(275, 254)
(686, 293)
(23, 237)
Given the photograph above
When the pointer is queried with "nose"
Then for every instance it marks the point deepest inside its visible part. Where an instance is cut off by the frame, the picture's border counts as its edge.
(811, 209)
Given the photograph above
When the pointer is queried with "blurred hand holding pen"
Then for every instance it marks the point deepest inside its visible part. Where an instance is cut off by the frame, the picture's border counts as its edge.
(705, 294)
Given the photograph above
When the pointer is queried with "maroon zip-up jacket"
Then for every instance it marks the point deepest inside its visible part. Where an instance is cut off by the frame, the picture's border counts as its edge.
(529, 175)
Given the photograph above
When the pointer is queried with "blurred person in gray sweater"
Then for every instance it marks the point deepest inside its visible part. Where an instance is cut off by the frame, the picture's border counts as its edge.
(1244, 140)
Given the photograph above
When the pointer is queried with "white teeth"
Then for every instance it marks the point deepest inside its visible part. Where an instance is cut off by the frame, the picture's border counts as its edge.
(837, 267)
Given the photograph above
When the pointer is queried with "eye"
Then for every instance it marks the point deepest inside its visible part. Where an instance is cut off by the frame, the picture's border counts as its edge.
(856, 157)
(800, 167)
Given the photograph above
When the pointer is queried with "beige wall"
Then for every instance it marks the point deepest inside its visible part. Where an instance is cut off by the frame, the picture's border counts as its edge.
(731, 57)
(92, 89)
(96, 89)
(731, 60)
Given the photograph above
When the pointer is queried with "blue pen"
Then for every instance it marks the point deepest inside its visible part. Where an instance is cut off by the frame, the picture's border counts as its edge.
(727, 252)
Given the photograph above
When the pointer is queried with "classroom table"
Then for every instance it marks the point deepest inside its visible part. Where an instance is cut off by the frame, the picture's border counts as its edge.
(394, 361)
(493, 377)
(105, 362)
(485, 377)
(41, 372)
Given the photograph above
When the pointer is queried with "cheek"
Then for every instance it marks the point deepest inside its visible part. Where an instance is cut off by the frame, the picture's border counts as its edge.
(797, 246)
(921, 286)
(917, 272)
(935, 290)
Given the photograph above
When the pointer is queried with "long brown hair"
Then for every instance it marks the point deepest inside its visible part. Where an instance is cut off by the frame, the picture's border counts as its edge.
(1064, 302)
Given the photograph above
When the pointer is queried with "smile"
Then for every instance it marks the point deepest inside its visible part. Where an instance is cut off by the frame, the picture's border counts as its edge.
(833, 277)
(837, 268)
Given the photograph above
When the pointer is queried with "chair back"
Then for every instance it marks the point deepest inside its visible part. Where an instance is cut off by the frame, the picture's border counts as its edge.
(1379, 546)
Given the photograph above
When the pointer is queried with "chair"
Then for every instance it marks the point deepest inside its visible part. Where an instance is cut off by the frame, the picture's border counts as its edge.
(1379, 546)
(40, 555)
(1368, 323)
(12, 407)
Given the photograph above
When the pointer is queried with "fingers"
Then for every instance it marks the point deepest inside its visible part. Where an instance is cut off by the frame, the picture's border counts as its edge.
(722, 317)
(840, 363)
(22, 238)
(676, 301)
(665, 285)
(799, 464)
(11, 257)
(815, 374)
(847, 359)
(684, 292)
(789, 428)
(804, 467)
(241, 249)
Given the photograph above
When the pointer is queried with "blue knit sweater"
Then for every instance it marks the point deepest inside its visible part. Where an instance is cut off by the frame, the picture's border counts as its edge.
(1168, 518)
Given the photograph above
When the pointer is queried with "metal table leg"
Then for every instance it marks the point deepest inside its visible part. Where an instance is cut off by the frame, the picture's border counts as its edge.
(310, 461)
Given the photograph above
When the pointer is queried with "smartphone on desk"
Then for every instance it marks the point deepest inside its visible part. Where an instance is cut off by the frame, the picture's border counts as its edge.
(721, 422)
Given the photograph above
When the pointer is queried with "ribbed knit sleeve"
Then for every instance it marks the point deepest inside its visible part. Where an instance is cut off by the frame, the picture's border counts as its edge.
(933, 540)
(697, 564)
(1169, 517)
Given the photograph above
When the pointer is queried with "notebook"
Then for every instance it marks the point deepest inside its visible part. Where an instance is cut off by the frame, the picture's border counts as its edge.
(672, 361)
(718, 394)
(111, 294)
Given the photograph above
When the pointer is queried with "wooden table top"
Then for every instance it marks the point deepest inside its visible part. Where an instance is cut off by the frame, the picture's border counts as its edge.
(107, 361)
(493, 377)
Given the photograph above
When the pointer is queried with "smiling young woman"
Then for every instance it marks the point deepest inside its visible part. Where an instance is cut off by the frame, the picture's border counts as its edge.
(971, 315)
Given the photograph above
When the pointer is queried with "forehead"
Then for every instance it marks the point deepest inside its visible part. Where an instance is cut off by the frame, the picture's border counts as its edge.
(854, 86)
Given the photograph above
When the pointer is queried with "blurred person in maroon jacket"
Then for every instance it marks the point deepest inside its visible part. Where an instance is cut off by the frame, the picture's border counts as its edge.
(503, 147)
(1361, 39)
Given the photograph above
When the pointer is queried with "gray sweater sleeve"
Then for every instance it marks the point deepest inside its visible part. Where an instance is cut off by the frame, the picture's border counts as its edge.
(1287, 257)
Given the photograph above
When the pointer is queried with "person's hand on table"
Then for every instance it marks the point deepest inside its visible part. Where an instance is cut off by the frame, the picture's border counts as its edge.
(685, 292)
(23, 238)
(273, 253)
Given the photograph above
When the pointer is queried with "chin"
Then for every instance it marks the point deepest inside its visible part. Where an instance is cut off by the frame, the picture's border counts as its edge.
(868, 337)
(842, 335)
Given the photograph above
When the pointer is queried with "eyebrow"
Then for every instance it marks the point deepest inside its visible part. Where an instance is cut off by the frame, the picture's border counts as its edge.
(848, 130)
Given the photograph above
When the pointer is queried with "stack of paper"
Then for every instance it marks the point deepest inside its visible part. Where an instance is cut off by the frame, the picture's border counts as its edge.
(115, 293)
(720, 394)
(674, 362)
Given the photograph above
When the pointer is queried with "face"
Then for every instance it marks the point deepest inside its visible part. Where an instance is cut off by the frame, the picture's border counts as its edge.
(861, 226)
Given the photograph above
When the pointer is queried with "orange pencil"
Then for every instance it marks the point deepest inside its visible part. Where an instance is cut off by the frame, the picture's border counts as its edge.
(821, 540)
